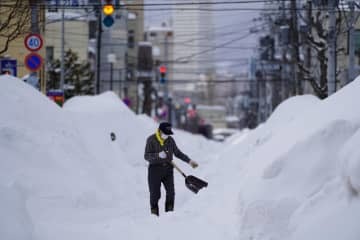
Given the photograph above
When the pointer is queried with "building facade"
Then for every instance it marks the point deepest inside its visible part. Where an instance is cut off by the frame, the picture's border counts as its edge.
(28, 17)
(161, 39)
(76, 29)
(193, 61)
(135, 34)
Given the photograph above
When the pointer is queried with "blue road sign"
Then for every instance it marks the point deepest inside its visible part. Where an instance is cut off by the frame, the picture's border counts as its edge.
(8, 66)
(33, 62)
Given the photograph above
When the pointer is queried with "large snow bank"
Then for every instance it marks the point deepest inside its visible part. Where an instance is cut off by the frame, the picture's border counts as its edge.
(351, 163)
(75, 183)
(15, 222)
(292, 180)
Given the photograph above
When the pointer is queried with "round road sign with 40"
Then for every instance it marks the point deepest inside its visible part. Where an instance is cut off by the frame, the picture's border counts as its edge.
(33, 42)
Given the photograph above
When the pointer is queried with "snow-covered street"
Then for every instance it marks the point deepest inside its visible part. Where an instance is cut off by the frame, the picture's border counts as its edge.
(295, 177)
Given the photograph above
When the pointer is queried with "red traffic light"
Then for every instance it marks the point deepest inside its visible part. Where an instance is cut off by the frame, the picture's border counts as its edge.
(162, 69)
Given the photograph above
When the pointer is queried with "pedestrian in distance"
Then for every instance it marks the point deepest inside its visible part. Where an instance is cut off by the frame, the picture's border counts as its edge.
(159, 150)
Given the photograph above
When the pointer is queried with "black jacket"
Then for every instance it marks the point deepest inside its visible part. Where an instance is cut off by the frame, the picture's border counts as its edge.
(153, 148)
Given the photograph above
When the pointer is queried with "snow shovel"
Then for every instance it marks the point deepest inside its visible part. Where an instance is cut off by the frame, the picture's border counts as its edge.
(191, 182)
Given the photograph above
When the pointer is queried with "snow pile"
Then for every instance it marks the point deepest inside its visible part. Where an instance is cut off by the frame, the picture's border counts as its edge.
(294, 177)
(291, 110)
(15, 222)
(61, 176)
(351, 156)
(299, 170)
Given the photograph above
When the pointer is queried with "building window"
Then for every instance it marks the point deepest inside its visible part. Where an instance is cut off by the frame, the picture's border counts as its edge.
(92, 29)
(357, 41)
(49, 53)
(131, 39)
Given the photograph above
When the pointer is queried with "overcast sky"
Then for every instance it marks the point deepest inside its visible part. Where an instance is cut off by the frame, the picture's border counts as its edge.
(229, 26)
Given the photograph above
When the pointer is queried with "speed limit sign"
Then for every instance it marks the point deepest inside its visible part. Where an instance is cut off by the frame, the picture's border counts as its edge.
(33, 42)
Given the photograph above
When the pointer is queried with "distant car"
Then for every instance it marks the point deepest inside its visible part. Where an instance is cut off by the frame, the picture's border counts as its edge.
(220, 134)
(218, 138)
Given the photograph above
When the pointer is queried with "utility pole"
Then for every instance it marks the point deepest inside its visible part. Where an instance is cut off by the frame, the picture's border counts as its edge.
(168, 101)
(308, 48)
(98, 49)
(284, 64)
(351, 72)
(331, 68)
(166, 56)
(35, 29)
(297, 87)
(62, 65)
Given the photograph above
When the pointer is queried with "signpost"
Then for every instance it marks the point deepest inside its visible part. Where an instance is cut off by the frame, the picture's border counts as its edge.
(33, 42)
(57, 96)
(33, 62)
(8, 66)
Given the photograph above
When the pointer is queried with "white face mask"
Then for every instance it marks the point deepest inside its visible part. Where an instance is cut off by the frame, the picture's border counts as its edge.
(164, 136)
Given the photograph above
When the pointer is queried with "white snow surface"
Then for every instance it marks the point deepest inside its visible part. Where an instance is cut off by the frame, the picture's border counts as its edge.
(295, 177)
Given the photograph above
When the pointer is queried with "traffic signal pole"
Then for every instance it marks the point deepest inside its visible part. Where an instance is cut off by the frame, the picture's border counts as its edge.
(166, 51)
(107, 10)
(62, 64)
(98, 51)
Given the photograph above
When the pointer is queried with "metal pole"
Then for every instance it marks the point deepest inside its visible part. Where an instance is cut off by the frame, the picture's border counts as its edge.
(35, 29)
(166, 51)
(62, 65)
(296, 88)
(111, 76)
(331, 68)
(120, 84)
(308, 47)
(98, 51)
(351, 73)
(167, 100)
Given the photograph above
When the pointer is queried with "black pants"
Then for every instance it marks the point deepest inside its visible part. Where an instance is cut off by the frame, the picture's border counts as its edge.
(157, 174)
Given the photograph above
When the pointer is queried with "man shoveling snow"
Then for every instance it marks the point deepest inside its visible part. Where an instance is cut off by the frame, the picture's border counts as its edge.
(159, 151)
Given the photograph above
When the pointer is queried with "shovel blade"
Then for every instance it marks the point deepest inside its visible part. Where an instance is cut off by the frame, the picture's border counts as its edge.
(195, 184)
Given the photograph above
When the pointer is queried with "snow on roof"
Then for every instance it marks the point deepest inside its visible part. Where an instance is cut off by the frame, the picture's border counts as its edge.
(68, 16)
(159, 29)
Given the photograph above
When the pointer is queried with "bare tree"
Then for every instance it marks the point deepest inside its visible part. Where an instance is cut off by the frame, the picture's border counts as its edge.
(316, 39)
(14, 21)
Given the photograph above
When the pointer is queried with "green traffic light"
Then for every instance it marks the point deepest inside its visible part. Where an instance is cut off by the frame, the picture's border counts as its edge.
(108, 21)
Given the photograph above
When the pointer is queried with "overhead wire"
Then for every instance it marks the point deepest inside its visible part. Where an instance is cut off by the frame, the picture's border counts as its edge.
(151, 6)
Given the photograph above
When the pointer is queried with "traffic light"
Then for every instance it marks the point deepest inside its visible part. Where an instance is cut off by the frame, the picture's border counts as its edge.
(108, 11)
(162, 70)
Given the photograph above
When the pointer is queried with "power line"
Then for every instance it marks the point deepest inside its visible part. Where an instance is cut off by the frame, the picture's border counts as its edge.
(40, 2)
(214, 81)
(214, 48)
(131, 7)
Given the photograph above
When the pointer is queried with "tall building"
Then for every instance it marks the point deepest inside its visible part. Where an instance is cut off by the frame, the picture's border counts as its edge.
(161, 39)
(135, 34)
(193, 49)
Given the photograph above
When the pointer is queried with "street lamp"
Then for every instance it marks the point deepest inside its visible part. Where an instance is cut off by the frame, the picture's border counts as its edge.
(111, 57)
